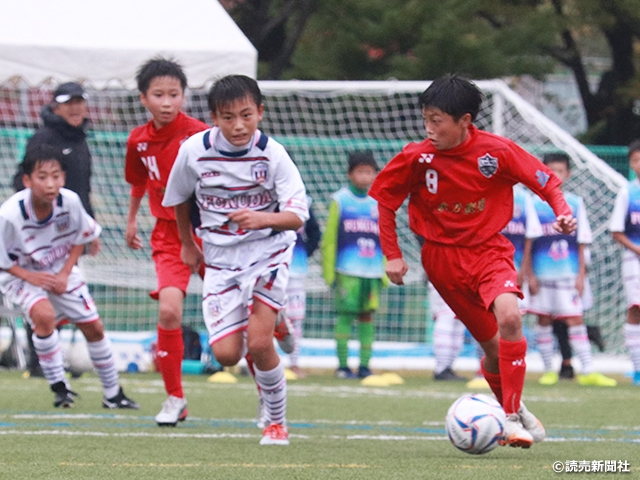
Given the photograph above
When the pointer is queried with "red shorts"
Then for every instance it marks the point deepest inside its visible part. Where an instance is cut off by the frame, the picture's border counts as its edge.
(165, 251)
(470, 278)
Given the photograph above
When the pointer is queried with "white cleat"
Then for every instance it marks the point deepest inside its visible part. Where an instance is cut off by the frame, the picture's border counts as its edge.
(174, 410)
(532, 424)
(515, 435)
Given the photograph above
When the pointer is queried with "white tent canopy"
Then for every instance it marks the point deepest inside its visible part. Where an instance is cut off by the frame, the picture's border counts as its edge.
(103, 43)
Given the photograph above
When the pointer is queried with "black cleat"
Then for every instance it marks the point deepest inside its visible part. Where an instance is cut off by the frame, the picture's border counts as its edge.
(566, 372)
(449, 375)
(364, 372)
(64, 397)
(119, 401)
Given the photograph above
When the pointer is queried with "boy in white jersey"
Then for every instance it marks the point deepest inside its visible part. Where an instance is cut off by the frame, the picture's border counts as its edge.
(625, 228)
(251, 200)
(43, 232)
(557, 279)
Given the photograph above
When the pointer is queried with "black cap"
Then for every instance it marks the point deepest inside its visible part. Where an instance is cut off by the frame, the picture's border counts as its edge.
(362, 158)
(67, 91)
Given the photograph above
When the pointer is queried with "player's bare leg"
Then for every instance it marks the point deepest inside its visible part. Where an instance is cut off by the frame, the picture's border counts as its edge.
(170, 352)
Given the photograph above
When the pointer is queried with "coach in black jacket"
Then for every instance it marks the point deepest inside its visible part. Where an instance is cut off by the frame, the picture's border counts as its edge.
(65, 120)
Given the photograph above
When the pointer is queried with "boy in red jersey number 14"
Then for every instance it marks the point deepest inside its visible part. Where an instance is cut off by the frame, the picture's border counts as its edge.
(459, 183)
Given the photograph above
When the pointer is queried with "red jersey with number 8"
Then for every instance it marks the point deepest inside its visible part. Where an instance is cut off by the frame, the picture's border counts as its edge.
(463, 196)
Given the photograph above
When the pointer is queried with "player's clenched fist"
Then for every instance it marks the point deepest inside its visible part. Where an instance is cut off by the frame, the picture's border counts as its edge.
(396, 270)
(565, 224)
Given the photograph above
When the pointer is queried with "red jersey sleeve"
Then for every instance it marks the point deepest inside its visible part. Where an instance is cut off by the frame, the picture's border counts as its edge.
(388, 233)
(393, 184)
(539, 178)
(135, 173)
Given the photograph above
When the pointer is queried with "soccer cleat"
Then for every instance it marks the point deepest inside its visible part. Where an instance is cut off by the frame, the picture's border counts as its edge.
(284, 332)
(449, 375)
(64, 397)
(262, 414)
(636, 378)
(566, 372)
(174, 410)
(345, 373)
(595, 379)
(275, 434)
(549, 378)
(119, 401)
(514, 434)
(532, 424)
(478, 383)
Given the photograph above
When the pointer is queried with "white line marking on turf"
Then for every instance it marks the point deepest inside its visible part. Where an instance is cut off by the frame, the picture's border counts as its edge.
(303, 437)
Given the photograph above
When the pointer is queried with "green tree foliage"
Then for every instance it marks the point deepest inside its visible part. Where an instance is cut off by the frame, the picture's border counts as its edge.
(422, 39)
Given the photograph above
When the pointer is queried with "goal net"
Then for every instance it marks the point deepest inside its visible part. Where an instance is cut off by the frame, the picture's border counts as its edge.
(319, 123)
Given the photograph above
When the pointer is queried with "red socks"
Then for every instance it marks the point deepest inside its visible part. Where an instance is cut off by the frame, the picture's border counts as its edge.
(169, 355)
(493, 379)
(512, 371)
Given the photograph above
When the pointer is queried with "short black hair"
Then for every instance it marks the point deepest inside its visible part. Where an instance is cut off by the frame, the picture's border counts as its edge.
(159, 67)
(39, 154)
(634, 146)
(557, 158)
(228, 89)
(361, 158)
(454, 95)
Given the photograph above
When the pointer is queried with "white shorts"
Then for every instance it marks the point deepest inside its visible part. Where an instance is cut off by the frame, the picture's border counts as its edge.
(296, 299)
(523, 303)
(558, 298)
(75, 306)
(631, 278)
(437, 305)
(237, 275)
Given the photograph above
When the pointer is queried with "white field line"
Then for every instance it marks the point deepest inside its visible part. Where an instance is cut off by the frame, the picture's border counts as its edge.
(66, 433)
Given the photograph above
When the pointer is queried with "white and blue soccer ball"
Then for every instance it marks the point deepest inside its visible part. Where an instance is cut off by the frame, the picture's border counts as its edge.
(475, 423)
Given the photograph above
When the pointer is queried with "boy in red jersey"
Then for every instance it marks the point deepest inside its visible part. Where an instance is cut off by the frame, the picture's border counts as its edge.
(151, 151)
(459, 182)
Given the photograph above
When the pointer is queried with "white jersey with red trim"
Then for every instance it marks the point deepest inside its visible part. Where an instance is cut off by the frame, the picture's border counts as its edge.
(261, 177)
(42, 246)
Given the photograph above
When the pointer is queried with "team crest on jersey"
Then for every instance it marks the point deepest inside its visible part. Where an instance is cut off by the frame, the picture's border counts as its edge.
(62, 222)
(487, 165)
(260, 172)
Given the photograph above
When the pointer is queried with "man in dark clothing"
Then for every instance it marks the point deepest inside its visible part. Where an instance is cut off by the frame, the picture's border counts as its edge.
(64, 128)
(65, 120)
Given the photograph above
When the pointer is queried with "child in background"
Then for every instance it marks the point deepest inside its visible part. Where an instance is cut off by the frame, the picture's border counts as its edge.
(352, 262)
(625, 228)
(151, 151)
(557, 279)
(43, 231)
(307, 241)
(251, 200)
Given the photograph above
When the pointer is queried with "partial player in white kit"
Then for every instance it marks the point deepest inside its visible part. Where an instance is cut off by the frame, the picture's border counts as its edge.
(251, 200)
(43, 231)
(625, 228)
(557, 282)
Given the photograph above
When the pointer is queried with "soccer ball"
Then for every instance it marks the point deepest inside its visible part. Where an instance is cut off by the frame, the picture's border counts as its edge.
(475, 423)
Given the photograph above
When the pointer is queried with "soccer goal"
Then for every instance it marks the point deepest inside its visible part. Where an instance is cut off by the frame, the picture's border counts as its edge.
(319, 123)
